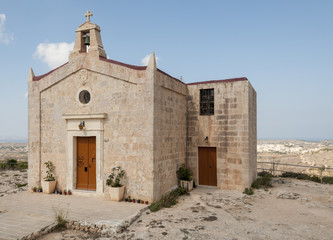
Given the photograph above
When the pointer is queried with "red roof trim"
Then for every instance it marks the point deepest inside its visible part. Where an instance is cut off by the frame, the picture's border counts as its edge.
(37, 78)
(223, 80)
(123, 64)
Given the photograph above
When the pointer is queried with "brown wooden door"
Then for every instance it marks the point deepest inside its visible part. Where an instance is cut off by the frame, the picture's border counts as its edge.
(86, 163)
(207, 166)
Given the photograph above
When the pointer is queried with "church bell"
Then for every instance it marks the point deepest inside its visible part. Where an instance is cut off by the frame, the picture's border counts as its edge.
(87, 40)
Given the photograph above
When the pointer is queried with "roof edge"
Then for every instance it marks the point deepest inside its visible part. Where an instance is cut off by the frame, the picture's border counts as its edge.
(159, 70)
(222, 80)
(37, 78)
(123, 64)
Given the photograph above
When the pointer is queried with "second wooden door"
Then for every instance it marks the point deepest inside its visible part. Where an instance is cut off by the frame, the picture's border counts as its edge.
(207, 166)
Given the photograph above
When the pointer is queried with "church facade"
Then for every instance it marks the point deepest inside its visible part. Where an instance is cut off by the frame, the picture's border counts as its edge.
(92, 114)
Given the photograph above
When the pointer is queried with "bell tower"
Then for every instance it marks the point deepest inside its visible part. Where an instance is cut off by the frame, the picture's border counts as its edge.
(88, 40)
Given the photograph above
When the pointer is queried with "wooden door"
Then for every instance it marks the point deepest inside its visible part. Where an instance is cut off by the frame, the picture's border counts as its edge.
(86, 163)
(207, 166)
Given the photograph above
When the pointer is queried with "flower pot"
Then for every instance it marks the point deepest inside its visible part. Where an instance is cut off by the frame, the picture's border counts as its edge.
(48, 186)
(188, 185)
(146, 202)
(117, 193)
(133, 201)
(34, 190)
(138, 201)
(69, 193)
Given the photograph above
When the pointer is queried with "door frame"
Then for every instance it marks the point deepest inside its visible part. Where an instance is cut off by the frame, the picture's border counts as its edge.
(93, 128)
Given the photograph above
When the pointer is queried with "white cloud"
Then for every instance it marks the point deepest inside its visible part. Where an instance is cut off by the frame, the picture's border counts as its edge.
(145, 60)
(54, 54)
(4, 36)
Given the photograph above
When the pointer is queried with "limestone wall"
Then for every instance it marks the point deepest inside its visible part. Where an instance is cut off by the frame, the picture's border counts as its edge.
(169, 132)
(228, 130)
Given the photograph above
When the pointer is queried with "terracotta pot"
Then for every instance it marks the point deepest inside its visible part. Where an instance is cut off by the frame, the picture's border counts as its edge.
(133, 200)
(146, 202)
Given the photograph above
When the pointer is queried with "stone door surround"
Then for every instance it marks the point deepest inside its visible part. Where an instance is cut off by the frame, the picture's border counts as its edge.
(93, 127)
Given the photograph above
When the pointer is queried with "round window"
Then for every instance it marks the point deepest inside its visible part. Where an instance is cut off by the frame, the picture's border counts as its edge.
(84, 96)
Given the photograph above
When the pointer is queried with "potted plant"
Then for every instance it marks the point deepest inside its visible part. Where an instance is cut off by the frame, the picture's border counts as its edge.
(116, 189)
(65, 192)
(49, 182)
(34, 189)
(40, 189)
(185, 176)
(69, 192)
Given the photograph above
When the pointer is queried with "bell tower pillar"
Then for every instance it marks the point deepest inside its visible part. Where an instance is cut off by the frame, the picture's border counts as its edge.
(88, 40)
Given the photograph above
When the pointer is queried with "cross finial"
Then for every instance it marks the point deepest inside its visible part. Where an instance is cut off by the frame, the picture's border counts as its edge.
(88, 15)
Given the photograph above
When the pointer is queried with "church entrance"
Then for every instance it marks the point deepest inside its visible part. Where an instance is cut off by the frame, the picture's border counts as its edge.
(207, 166)
(86, 163)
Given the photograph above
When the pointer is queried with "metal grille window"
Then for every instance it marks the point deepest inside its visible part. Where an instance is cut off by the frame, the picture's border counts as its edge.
(206, 101)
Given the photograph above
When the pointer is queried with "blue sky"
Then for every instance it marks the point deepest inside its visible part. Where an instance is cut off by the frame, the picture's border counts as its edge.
(285, 49)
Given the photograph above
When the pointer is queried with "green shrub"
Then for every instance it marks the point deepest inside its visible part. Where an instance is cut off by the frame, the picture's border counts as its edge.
(49, 171)
(264, 181)
(248, 191)
(60, 216)
(21, 185)
(184, 173)
(22, 165)
(168, 200)
(328, 180)
(301, 176)
(12, 163)
(265, 174)
(154, 207)
(114, 178)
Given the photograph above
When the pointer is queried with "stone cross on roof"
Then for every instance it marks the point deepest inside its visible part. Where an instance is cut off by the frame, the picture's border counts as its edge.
(88, 15)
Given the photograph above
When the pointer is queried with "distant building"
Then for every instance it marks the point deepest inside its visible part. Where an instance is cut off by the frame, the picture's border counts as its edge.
(140, 118)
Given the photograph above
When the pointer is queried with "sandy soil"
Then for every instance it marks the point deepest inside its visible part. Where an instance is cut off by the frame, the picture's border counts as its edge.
(292, 209)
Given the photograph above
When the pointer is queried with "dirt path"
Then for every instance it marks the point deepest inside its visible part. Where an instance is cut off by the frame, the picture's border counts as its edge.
(293, 209)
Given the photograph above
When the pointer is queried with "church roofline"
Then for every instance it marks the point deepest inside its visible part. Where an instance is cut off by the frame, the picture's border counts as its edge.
(137, 67)
(123, 64)
(37, 78)
(222, 80)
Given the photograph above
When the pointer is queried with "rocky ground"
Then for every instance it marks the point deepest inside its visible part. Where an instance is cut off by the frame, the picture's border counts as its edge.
(12, 181)
(292, 209)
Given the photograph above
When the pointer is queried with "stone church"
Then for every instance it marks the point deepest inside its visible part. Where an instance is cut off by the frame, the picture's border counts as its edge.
(92, 114)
